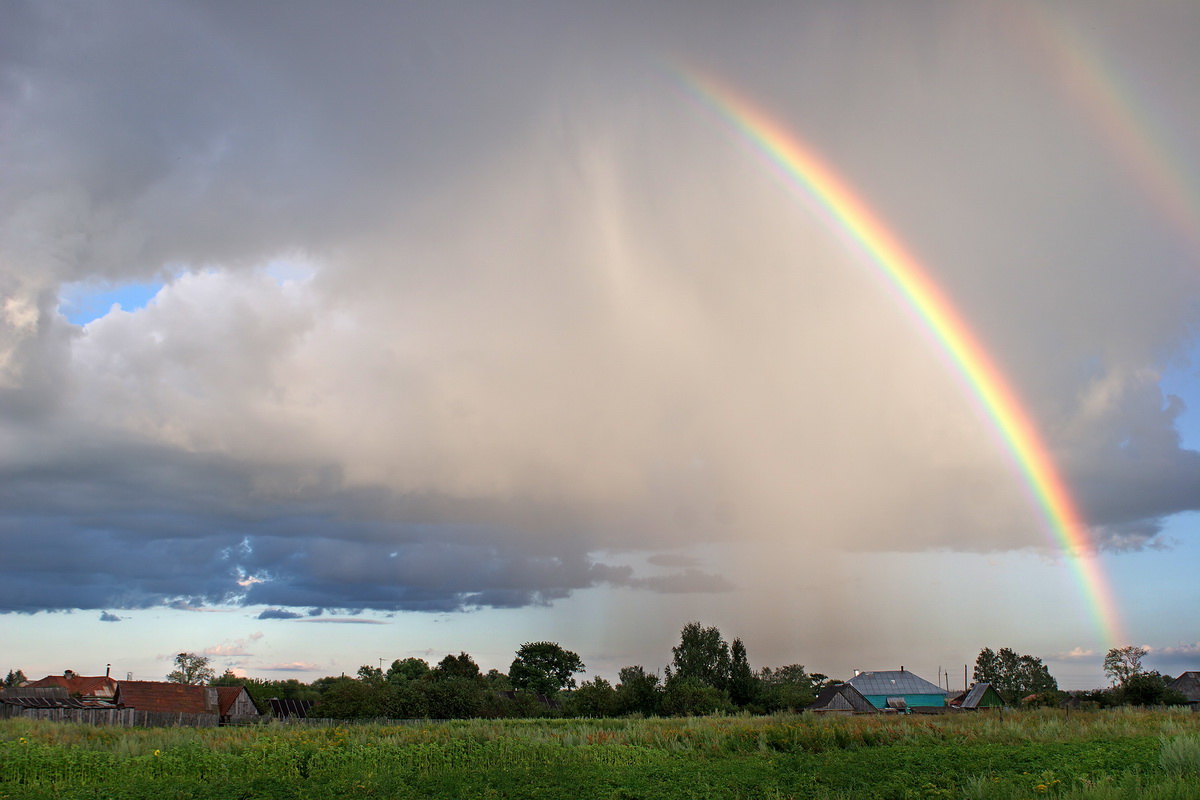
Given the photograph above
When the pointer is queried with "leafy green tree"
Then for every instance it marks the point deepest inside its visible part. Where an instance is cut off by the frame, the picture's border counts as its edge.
(459, 666)
(370, 674)
(1122, 663)
(192, 669)
(1013, 675)
(228, 678)
(456, 697)
(14, 678)
(743, 685)
(544, 668)
(594, 698)
(786, 688)
(348, 698)
(498, 681)
(1147, 689)
(685, 697)
(701, 655)
(638, 691)
(408, 669)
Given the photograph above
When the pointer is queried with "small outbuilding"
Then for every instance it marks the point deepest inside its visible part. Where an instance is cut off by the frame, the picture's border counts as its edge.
(898, 690)
(980, 695)
(1188, 684)
(841, 699)
(180, 698)
(235, 701)
(287, 708)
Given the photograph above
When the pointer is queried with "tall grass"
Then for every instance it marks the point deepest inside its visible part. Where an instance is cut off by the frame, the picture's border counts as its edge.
(1023, 754)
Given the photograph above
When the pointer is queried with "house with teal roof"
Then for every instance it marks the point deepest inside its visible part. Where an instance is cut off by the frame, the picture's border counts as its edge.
(898, 690)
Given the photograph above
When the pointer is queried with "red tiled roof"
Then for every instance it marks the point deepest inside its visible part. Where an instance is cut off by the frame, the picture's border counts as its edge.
(173, 697)
(87, 686)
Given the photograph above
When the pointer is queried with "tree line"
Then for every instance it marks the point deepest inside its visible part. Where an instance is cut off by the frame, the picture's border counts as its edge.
(706, 675)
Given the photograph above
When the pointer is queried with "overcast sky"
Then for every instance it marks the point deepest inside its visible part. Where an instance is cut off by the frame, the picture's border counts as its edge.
(467, 324)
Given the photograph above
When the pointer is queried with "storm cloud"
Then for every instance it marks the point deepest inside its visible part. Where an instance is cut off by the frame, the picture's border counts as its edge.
(471, 306)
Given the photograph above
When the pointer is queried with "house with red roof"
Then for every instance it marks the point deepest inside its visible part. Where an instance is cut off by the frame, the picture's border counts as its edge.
(98, 686)
(181, 698)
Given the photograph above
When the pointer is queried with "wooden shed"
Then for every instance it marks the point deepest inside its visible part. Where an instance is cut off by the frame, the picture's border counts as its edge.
(841, 699)
(980, 695)
(1188, 684)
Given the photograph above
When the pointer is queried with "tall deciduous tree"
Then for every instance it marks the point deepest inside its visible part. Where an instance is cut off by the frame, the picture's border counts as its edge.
(14, 678)
(459, 666)
(544, 667)
(701, 655)
(787, 687)
(1013, 675)
(408, 669)
(743, 685)
(1122, 663)
(193, 669)
(638, 692)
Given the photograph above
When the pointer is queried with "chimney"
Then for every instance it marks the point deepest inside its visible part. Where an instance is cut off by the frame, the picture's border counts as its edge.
(902, 668)
(107, 669)
(857, 673)
(68, 673)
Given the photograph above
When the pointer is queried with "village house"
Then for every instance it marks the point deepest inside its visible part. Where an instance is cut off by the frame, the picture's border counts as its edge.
(1188, 684)
(83, 686)
(898, 690)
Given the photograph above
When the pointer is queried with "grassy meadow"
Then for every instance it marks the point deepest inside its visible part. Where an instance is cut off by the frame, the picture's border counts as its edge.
(1027, 754)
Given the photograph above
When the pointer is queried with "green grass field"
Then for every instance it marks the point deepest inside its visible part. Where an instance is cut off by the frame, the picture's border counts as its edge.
(1121, 754)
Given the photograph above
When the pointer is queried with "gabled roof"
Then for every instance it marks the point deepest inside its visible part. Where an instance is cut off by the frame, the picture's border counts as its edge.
(48, 697)
(975, 695)
(173, 697)
(228, 695)
(1189, 684)
(894, 682)
(842, 697)
(84, 685)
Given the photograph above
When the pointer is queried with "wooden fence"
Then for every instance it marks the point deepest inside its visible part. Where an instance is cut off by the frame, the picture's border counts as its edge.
(132, 718)
(124, 717)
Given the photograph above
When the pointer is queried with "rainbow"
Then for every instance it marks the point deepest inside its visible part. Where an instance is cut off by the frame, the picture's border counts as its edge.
(849, 216)
(1118, 113)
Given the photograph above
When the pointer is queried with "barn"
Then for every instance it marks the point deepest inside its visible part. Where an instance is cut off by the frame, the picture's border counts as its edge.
(841, 699)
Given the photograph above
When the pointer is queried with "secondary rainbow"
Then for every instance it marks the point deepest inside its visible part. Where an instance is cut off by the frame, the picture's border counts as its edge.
(851, 217)
(1121, 113)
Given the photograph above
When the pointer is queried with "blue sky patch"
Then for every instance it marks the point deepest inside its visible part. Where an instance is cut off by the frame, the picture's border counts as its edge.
(82, 303)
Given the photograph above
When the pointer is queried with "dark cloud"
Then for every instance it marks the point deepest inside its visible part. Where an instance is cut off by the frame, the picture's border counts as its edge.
(107, 617)
(278, 613)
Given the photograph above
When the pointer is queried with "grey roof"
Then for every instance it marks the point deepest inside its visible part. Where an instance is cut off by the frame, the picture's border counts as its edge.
(842, 697)
(1189, 684)
(894, 682)
(975, 696)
